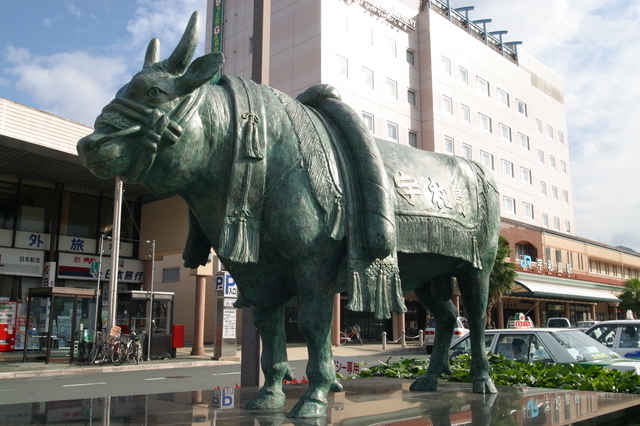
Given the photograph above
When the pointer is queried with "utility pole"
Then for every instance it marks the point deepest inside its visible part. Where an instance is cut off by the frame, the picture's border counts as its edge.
(115, 254)
(250, 367)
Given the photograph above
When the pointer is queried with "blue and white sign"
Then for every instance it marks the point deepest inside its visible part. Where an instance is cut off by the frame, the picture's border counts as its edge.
(223, 398)
(226, 283)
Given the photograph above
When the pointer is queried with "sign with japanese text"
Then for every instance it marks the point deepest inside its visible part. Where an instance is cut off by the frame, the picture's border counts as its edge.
(49, 274)
(347, 365)
(26, 263)
(32, 240)
(78, 267)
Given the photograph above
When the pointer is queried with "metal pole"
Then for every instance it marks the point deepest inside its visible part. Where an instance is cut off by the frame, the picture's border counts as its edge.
(115, 254)
(98, 299)
(150, 318)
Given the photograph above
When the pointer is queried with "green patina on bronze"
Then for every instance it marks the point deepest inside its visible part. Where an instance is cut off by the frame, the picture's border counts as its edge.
(301, 202)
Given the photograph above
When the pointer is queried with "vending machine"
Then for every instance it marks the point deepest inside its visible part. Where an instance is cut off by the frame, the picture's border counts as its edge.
(8, 314)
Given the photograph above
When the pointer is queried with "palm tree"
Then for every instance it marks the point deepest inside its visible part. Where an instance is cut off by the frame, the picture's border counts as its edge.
(631, 296)
(502, 278)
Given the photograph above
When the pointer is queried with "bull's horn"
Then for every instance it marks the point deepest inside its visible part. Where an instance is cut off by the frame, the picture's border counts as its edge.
(153, 53)
(181, 57)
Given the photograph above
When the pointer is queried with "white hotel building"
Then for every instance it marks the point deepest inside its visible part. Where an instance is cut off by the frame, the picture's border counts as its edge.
(420, 74)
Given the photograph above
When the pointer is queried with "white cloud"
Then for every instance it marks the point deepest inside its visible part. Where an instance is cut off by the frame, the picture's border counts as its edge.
(73, 85)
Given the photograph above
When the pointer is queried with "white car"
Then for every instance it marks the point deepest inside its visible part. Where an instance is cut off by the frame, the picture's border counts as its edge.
(460, 330)
(553, 345)
(620, 335)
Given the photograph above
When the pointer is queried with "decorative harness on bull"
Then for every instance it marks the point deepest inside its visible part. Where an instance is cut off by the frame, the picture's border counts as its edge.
(159, 130)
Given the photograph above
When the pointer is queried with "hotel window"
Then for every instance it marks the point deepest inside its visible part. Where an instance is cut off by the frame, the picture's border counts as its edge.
(392, 131)
(448, 145)
(391, 47)
(543, 188)
(465, 113)
(392, 88)
(550, 131)
(503, 97)
(447, 105)
(563, 167)
(343, 65)
(565, 196)
(522, 107)
(466, 151)
(367, 76)
(540, 156)
(485, 122)
(464, 75)
(556, 223)
(446, 65)
(507, 168)
(538, 126)
(411, 97)
(545, 220)
(411, 57)
(552, 162)
(524, 141)
(368, 121)
(486, 159)
(567, 226)
(368, 35)
(413, 139)
(505, 132)
(525, 175)
(561, 137)
(483, 86)
(554, 192)
(509, 204)
(527, 210)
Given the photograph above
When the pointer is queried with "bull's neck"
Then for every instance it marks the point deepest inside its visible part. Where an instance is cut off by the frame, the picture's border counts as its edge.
(210, 184)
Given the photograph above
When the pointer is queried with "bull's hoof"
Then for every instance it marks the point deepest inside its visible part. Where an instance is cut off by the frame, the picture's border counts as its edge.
(484, 384)
(266, 400)
(424, 384)
(308, 408)
(336, 387)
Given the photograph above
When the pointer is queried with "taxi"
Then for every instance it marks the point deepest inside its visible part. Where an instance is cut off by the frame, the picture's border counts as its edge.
(552, 345)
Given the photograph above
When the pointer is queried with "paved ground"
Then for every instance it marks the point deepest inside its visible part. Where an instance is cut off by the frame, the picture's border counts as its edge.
(15, 368)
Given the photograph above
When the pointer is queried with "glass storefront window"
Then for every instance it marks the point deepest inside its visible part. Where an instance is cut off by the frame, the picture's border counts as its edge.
(36, 208)
(127, 224)
(8, 201)
(79, 215)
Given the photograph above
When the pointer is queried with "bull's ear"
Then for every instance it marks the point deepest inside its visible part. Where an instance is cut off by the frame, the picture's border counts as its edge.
(202, 70)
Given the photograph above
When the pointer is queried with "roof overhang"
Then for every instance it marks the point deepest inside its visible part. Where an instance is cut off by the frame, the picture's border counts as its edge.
(539, 290)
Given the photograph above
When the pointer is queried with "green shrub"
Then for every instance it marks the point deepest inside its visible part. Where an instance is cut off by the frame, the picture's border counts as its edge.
(515, 373)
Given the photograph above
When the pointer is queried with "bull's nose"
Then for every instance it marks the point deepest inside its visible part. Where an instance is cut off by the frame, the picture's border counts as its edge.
(87, 145)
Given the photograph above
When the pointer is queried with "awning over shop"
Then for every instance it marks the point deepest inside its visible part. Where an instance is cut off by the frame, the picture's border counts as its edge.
(560, 292)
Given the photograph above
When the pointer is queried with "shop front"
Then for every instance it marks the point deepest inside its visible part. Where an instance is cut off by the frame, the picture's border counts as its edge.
(58, 324)
(542, 298)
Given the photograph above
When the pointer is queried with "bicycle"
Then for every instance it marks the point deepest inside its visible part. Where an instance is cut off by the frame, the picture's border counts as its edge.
(350, 334)
(128, 348)
(98, 349)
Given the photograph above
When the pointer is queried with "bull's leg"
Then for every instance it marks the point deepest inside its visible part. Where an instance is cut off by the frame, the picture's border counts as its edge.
(314, 320)
(474, 289)
(270, 323)
(436, 298)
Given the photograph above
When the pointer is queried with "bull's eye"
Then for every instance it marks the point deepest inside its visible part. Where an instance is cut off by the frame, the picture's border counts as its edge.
(154, 92)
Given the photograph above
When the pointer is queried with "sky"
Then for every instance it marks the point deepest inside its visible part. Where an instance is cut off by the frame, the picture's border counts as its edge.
(69, 58)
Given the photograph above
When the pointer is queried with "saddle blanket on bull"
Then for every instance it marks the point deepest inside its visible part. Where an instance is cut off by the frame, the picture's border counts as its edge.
(439, 202)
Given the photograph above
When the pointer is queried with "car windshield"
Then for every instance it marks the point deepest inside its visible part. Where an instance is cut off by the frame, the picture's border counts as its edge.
(582, 347)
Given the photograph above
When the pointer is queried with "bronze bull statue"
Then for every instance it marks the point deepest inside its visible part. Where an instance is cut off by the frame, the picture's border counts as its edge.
(300, 202)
